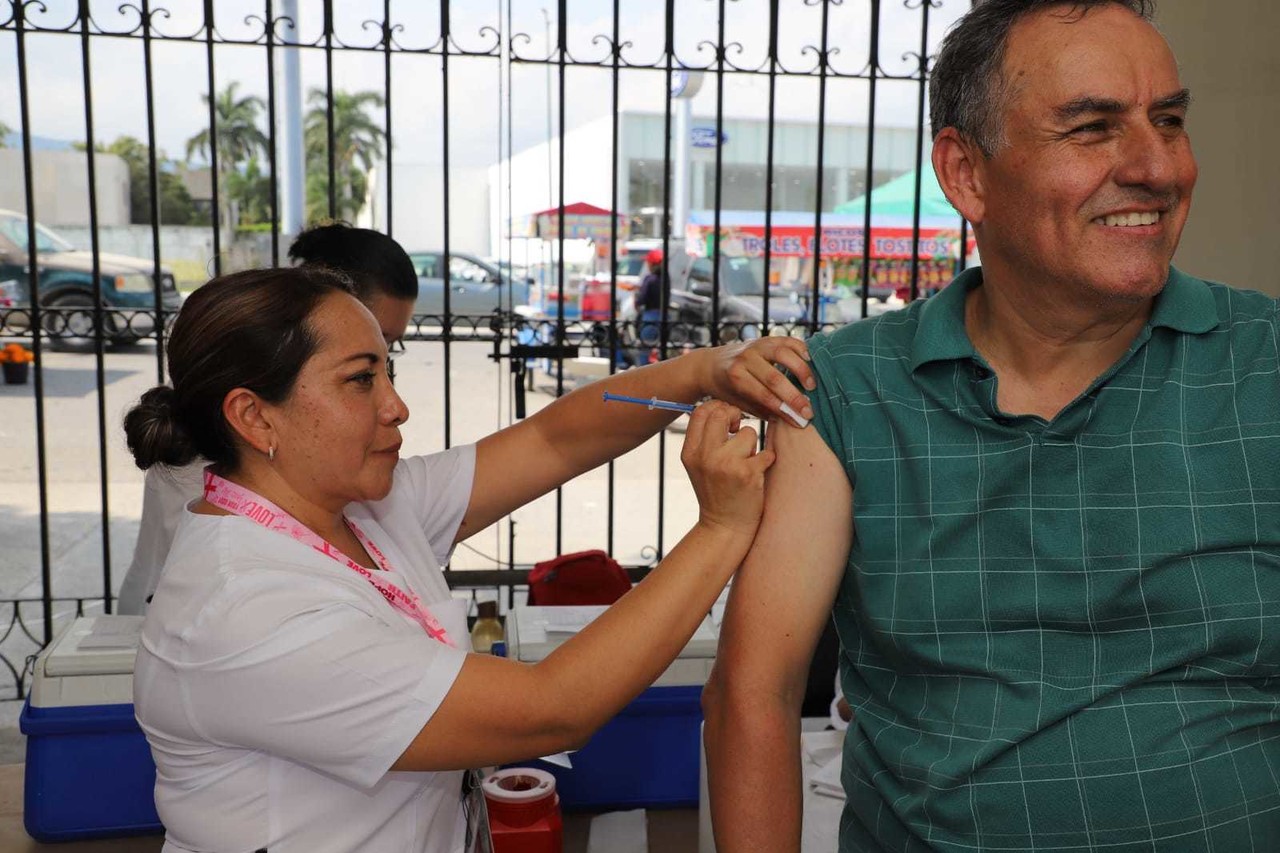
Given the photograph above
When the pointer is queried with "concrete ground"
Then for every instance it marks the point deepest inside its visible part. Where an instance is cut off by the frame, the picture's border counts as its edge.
(480, 401)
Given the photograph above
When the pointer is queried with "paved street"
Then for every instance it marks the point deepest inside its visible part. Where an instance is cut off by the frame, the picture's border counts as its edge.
(479, 404)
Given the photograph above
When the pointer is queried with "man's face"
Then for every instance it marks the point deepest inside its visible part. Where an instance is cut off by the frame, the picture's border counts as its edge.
(1092, 190)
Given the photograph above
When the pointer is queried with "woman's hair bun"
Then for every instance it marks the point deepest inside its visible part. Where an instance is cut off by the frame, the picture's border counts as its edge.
(154, 433)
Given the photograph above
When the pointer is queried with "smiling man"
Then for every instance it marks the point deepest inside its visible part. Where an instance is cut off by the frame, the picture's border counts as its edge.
(1044, 505)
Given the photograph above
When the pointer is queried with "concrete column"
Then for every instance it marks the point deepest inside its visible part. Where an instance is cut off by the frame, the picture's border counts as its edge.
(1228, 58)
(698, 191)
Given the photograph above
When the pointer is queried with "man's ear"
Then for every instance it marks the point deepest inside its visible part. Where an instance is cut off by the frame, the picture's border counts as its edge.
(958, 164)
(247, 418)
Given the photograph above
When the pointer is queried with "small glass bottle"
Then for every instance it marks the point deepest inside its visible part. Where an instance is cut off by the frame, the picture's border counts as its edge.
(488, 628)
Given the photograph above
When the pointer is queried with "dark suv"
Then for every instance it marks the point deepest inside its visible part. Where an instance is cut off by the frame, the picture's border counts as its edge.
(66, 289)
(742, 298)
(690, 318)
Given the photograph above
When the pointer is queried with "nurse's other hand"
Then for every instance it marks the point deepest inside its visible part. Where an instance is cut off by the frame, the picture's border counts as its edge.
(725, 467)
(746, 374)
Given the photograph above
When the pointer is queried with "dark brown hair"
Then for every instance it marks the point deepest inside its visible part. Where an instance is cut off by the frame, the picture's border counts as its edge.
(967, 89)
(244, 330)
(375, 262)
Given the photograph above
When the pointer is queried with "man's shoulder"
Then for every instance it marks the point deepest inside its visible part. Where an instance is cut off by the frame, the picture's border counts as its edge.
(1208, 310)
(890, 333)
(1238, 304)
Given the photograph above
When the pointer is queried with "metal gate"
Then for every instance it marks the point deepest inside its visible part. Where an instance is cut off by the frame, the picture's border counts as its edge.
(822, 81)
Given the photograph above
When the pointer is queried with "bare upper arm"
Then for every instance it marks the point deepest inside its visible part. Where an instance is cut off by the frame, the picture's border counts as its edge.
(781, 597)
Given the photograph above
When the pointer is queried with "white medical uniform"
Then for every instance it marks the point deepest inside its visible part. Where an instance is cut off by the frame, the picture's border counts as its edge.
(166, 492)
(276, 686)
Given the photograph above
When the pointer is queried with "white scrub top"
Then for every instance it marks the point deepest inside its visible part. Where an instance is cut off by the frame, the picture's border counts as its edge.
(276, 686)
(166, 491)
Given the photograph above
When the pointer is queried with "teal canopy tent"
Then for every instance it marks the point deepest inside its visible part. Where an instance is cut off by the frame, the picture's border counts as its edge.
(898, 198)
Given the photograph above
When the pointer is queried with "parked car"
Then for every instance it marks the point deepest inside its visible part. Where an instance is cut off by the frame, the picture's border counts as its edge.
(742, 297)
(690, 317)
(66, 286)
(510, 269)
(476, 287)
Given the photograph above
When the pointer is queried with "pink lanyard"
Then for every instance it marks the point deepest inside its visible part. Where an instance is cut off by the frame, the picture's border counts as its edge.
(241, 501)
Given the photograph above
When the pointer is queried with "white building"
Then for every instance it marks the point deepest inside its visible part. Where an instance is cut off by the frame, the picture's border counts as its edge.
(534, 172)
(61, 183)
(417, 207)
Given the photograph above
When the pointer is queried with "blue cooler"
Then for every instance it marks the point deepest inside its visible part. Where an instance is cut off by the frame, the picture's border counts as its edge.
(89, 771)
(648, 755)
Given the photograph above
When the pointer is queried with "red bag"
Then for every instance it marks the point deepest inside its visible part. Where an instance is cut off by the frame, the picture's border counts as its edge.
(587, 577)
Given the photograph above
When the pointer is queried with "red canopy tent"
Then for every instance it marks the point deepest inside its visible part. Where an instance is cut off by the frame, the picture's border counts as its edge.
(582, 221)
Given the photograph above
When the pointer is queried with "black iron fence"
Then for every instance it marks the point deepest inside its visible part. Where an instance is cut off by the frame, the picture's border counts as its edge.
(874, 54)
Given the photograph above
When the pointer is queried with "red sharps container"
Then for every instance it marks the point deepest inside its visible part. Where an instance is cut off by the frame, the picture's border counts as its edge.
(524, 811)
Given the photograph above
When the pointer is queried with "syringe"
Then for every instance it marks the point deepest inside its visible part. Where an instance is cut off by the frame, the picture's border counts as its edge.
(687, 408)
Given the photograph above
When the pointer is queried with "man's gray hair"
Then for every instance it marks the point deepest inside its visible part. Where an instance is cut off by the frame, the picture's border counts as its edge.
(967, 90)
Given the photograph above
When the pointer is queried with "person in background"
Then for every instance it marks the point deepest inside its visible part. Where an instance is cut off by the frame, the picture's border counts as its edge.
(384, 280)
(654, 290)
(303, 677)
(1043, 503)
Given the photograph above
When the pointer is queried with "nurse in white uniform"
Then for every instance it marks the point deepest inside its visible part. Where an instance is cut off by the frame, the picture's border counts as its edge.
(304, 678)
(382, 276)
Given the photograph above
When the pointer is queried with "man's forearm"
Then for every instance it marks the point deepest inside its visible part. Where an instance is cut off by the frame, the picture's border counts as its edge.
(780, 602)
(754, 777)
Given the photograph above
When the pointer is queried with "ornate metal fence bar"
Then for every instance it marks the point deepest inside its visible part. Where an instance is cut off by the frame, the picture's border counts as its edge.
(834, 49)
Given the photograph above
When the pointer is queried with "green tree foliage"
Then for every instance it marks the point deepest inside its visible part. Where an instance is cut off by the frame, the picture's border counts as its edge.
(251, 190)
(176, 206)
(5, 130)
(239, 140)
(358, 144)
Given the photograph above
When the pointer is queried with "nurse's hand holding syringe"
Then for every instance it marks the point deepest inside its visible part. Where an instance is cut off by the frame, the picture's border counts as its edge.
(556, 703)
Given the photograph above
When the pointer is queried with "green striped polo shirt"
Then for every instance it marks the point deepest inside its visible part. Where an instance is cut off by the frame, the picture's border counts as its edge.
(1061, 635)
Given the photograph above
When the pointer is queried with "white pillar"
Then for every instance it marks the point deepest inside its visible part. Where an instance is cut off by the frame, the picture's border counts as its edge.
(699, 171)
(293, 206)
(684, 86)
(680, 166)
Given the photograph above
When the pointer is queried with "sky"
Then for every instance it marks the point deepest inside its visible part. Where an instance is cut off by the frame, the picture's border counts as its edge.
(476, 106)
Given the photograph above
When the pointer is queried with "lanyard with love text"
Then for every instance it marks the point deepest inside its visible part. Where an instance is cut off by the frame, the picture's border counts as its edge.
(233, 498)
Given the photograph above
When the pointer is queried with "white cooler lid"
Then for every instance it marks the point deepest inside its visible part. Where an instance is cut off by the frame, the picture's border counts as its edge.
(90, 663)
(95, 645)
(534, 632)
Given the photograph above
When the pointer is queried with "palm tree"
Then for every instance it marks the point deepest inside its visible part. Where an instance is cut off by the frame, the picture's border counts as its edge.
(357, 146)
(239, 139)
(251, 190)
